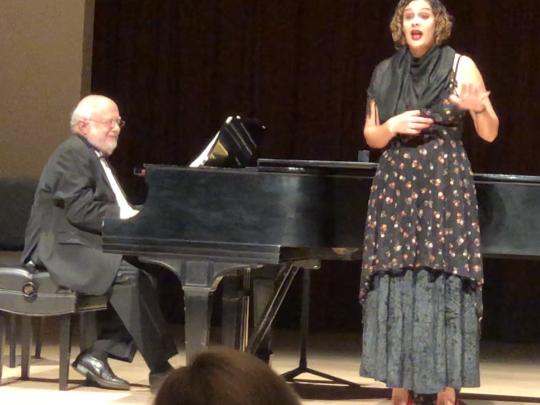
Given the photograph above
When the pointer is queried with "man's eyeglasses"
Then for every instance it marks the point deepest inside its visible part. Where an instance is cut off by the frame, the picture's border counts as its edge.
(110, 123)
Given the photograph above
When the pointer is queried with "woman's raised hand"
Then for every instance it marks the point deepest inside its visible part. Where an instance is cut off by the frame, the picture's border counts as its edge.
(408, 123)
(470, 97)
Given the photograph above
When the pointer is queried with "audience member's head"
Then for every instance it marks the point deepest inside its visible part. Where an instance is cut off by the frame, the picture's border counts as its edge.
(225, 377)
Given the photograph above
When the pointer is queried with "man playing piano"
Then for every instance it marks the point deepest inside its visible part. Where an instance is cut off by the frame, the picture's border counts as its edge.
(76, 190)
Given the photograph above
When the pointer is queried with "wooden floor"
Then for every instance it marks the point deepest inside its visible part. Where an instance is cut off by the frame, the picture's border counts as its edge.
(510, 375)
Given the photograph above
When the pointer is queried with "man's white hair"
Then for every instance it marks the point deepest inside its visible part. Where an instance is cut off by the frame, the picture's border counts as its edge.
(85, 108)
(81, 112)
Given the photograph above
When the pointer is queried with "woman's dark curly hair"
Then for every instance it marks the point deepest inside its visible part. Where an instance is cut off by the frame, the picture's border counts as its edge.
(443, 22)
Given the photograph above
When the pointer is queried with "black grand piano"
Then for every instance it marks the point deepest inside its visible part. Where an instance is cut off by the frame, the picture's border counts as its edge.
(207, 222)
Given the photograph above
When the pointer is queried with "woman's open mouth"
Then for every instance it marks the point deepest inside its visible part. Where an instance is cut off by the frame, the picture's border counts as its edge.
(416, 35)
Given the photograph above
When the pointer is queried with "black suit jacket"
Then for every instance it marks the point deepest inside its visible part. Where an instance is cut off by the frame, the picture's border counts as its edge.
(64, 231)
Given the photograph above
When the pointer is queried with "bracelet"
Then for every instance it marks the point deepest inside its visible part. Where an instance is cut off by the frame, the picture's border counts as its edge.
(481, 111)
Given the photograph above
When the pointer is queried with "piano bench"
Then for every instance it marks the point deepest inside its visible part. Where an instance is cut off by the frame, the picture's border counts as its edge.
(31, 294)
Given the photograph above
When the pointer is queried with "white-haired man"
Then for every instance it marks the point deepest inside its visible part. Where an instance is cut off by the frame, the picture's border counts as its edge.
(76, 190)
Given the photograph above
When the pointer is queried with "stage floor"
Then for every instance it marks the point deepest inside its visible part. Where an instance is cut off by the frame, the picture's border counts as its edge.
(510, 375)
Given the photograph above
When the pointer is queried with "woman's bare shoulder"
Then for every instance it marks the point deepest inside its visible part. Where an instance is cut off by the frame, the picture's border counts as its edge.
(465, 68)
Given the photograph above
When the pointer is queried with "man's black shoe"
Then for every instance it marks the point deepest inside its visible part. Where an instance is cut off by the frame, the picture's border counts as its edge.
(98, 372)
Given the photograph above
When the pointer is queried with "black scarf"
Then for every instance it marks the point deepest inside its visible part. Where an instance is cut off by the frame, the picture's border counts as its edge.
(403, 83)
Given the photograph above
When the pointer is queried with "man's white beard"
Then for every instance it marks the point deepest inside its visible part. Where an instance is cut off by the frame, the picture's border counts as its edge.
(110, 147)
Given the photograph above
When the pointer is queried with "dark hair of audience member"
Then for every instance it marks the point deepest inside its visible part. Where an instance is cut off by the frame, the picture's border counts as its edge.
(225, 377)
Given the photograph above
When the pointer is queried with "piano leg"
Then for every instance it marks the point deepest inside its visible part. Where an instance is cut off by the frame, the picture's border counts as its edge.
(198, 311)
(263, 281)
(199, 280)
(235, 309)
(231, 310)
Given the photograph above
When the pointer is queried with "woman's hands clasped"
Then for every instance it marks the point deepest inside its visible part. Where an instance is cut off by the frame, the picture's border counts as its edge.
(408, 123)
(470, 97)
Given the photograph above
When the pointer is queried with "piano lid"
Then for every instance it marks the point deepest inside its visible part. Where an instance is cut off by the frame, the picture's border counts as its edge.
(234, 145)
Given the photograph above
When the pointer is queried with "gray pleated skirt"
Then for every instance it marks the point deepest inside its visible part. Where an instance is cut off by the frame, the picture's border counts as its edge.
(422, 331)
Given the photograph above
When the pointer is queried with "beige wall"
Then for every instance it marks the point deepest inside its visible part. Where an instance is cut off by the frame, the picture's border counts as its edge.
(45, 66)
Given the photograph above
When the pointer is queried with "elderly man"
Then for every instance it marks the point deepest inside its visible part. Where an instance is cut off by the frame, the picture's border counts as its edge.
(77, 189)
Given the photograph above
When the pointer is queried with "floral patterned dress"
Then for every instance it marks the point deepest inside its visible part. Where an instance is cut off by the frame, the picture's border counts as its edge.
(422, 265)
(422, 210)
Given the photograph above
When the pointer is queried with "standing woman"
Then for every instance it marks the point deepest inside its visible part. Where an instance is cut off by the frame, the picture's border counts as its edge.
(422, 266)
